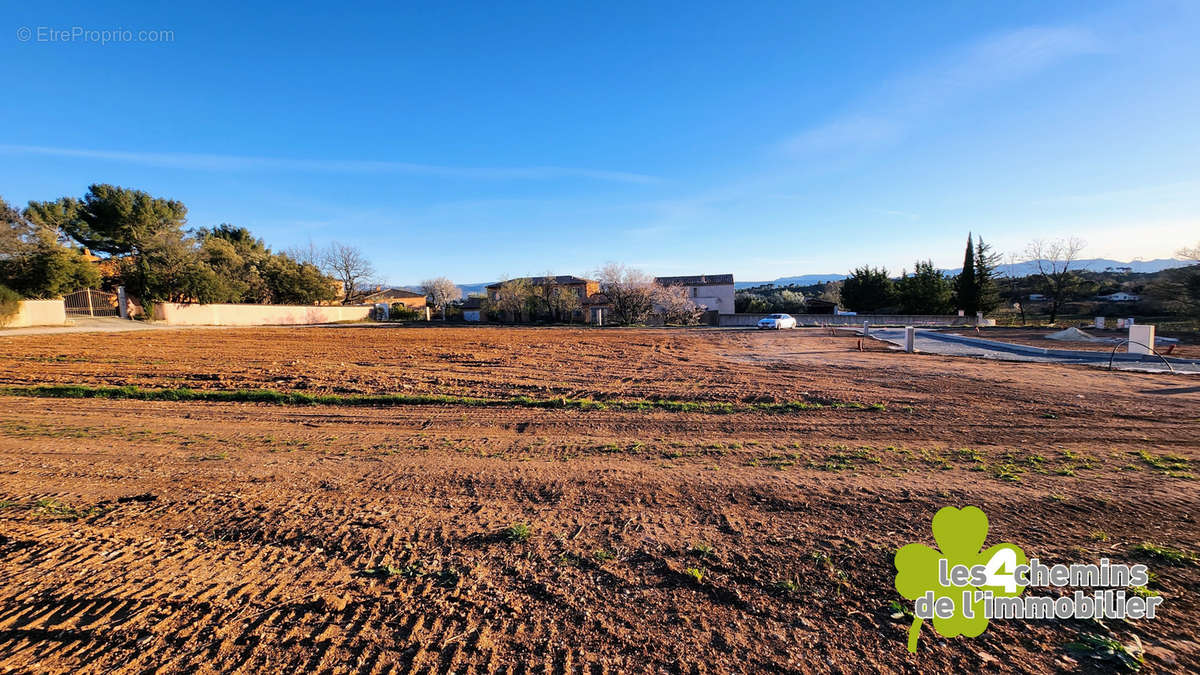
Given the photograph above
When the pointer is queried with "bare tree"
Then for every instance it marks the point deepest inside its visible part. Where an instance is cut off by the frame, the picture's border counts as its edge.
(1053, 260)
(309, 254)
(832, 292)
(1178, 290)
(564, 302)
(629, 291)
(676, 305)
(1192, 253)
(348, 265)
(513, 298)
(441, 292)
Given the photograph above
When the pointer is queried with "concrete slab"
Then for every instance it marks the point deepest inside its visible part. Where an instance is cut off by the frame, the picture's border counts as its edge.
(934, 342)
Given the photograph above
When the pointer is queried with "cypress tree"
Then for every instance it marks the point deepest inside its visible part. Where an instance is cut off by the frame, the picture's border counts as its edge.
(966, 286)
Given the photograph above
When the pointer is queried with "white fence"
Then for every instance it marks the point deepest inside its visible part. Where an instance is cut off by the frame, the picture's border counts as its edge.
(176, 314)
(38, 313)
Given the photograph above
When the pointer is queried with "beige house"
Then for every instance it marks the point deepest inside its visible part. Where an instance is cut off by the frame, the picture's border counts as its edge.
(391, 296)
(591, 300)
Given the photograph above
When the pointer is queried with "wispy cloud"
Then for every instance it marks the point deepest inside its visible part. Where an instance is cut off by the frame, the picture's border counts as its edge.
(1187, 189)
(853, 131)
(903, 102)
(898, 214)
(209, 162)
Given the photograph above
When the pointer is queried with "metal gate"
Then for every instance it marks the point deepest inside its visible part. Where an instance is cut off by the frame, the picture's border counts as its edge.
(90, 302)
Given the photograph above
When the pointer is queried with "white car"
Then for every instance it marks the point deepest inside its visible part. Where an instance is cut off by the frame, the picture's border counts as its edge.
(777, 321)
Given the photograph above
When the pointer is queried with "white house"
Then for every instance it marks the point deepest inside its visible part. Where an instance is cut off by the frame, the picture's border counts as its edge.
(1120, 296)
(710, 291)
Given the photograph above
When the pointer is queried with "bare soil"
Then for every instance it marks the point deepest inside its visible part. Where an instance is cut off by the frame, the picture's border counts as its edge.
(141, 536)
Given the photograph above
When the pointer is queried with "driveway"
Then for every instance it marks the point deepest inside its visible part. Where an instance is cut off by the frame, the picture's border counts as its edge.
(934, 342)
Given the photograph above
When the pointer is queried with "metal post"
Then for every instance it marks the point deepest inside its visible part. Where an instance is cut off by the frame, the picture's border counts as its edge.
(866, 329)
(910, 338)
(122, 303)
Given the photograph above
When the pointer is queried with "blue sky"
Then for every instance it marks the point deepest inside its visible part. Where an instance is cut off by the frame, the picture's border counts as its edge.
(481, 140)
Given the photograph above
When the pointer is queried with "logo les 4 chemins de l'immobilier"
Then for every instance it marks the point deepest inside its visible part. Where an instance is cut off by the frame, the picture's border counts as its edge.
(960, 586)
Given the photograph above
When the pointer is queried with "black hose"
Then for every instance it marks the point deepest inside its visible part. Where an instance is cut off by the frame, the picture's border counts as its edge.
(1135, 342)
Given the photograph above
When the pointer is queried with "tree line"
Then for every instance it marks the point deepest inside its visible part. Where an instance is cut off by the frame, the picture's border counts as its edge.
(141, 242)
(980, 287)
(926, 290)
(631, 296)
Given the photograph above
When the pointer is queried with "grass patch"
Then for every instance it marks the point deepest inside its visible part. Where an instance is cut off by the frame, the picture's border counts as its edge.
(776, 460)
(1163, 554)
(518, 532)
(1168, 464)
(1007, 472)
(53, 509)
(845, 459)
(970, 454)
(787, 586)
(1101, 648)
(382, 572)
(1143, 592)
(273, 397)
(899, 611)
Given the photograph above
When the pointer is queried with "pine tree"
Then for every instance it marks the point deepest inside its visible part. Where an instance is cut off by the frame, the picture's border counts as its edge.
(926, 291)
(966, 285)
(985, 277)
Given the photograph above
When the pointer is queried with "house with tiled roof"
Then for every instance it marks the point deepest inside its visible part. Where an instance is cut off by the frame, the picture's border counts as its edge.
(390, 296)
(591, 301)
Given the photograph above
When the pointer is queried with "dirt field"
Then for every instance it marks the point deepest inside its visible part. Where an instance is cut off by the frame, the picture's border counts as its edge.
(189, 536)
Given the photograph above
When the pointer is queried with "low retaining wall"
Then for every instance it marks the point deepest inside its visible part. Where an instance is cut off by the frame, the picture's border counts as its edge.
(254, 315)
(751, 320)
(38, 313)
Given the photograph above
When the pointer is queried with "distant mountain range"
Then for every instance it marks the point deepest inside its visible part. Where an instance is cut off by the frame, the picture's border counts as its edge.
(467, 289)
(802, 280)
(1022, 269)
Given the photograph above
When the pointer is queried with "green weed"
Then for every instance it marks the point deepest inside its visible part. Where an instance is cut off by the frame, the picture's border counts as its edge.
(518, 532)
(1101, 648)
(1163, 554)
(274, 397)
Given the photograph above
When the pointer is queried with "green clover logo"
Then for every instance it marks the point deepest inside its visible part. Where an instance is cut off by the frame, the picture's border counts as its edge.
(960, 534)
